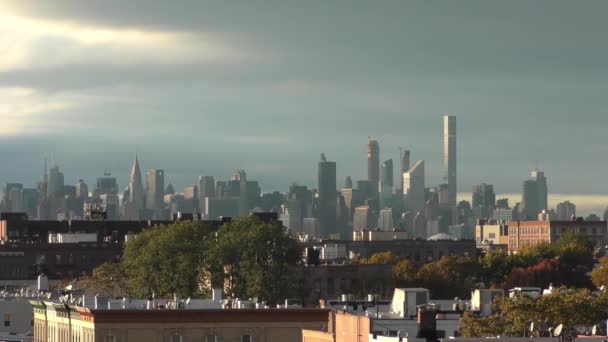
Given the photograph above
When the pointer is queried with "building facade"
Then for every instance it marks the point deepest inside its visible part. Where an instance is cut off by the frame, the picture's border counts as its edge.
(404, 164)
(413, 187)
(534, 196)
(155, 189)
(54, 322)
(373, 162)
(530, 233)
(566, 211)
(327, 197)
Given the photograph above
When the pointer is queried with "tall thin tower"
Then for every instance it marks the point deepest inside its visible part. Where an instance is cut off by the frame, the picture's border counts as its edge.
(404, 163)
(373, 163)
(449, 157)
(327, 196)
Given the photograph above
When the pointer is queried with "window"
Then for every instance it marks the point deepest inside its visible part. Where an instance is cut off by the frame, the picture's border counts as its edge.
(7, 319)
(211, 338)
(246, 338)
(492, 236)
(176, 338)
(110, 339)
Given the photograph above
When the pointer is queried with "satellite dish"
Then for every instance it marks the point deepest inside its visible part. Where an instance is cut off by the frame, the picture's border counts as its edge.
(531, 326)
(558, 330)
(594, 330)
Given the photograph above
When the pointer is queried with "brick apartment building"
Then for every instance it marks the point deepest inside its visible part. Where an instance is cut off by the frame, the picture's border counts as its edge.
(59, 322)
(530, 233)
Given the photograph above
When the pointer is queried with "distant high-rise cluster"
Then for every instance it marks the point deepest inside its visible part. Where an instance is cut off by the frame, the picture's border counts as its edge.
(335, 208)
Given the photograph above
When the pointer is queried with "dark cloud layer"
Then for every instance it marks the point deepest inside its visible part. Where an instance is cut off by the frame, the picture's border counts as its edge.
(527, 80)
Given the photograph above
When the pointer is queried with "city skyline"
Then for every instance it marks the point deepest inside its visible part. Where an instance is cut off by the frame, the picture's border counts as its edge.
(586, 203)
(227, 90)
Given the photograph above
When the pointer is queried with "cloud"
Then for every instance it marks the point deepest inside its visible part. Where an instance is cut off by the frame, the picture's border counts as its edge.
(34, 44)
(237, 84)
(24, 112)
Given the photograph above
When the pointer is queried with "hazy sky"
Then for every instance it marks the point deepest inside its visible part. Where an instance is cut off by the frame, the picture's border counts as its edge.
(201, 87)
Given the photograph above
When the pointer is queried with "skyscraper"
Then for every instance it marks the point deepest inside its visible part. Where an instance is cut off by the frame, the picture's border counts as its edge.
(348, 183)
(413, 187)
(206, 186)
(534, 196)
(543, 191)
(386, 176)
(449, 157)
(364, 218)
(82, 189)
(136, 189)
(484, 196)
(327, 196)
(386, 183)
(565, 211)
(385, 219)
(373, 163)
(206, 189)
(404, 164)
(56, 182)
(155, 189)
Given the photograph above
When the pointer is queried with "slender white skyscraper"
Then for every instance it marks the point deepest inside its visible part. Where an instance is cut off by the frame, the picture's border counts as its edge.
(449, 157)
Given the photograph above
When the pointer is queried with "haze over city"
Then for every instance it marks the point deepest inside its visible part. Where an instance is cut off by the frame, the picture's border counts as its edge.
(205, 88)
(303, 171)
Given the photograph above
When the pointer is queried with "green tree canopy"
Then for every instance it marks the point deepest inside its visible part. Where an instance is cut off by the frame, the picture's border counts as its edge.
(570, 307)
(256, 259)
(404, 273)
(599, 276)
(247, 257)
(168, 260)
(107, 279)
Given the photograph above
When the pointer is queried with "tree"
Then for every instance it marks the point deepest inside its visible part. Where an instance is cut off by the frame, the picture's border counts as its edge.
(449, 277)
(107, 279)
(513, 316)
(473, 326)
(599, 276)
(496, 265)
(257, 259)
(383, 258)
(539, 275)
(168, 260)
(532, 255)
(247, 257)
(404, 272)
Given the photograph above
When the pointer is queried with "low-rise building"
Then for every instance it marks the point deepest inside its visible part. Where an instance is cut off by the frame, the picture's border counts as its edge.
(530, 233)
(410, 316)
(419, 251)
(170, 320)
(491, 232)
(380, 235)
(16, 317)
